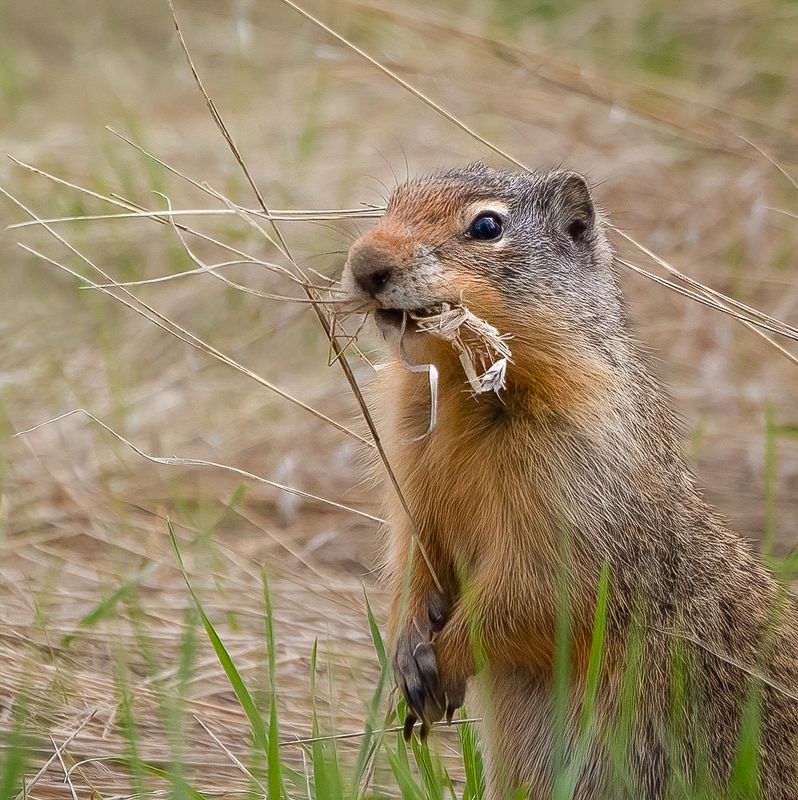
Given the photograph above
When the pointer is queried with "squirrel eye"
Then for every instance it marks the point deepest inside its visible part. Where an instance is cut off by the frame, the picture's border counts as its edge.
(487, 225)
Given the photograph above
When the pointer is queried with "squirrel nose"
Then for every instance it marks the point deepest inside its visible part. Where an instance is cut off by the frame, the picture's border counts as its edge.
(372, 267)
(373, 281)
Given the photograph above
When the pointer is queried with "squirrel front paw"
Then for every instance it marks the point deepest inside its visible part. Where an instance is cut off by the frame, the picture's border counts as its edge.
(429, 691)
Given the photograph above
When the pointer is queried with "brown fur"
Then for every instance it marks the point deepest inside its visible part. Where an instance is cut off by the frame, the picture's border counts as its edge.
(520, 500)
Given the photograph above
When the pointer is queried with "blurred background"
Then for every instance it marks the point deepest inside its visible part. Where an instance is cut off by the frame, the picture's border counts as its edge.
(665, 106)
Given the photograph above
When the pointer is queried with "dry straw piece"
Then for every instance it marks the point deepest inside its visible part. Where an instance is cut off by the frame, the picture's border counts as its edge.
(483, 352)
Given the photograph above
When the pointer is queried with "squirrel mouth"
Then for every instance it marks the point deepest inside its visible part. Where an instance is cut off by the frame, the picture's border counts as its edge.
(395, 320)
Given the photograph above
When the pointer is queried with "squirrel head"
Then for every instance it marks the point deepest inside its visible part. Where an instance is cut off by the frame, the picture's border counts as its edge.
(526, 252)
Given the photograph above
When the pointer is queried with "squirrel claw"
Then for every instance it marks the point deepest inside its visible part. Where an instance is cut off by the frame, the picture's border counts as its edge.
(438, 613)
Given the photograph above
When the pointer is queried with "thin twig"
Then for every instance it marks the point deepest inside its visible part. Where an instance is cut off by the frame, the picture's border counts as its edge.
(753, 326)
(726, 659)
(285, 215)
(773, 324)
(67, 776)
(378, 731)
(121, 202)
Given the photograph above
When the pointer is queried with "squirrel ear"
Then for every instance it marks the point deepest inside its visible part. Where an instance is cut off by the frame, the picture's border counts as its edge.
(572, 204)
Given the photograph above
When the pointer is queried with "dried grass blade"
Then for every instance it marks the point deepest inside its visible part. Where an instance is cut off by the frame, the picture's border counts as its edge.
(773, 324)
(284, 215)
(321, 315)
(121, 202)
(223, 129)
(56, 755)
(165, 323)
(708, 301)
(230, 754)
(67, 776)
(198, 462)
(404, 84)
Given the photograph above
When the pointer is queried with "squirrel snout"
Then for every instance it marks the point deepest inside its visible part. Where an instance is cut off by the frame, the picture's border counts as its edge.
(372, 266)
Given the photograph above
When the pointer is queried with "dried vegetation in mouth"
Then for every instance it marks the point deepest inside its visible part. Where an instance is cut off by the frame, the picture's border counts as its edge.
(483, 352)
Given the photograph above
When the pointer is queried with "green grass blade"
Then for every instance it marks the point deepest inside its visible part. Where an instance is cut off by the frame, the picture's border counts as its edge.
(744, 781)
(321, 782)
(187, 789)
(15, 756)
(107, 605)
(472, 761)
(566, 782)
(367, 745)
(275, 778)
(400, 767)
(562, 662)
(596, 652)
(128, 726)
(376, 636)
(430, 770)
(256, 722)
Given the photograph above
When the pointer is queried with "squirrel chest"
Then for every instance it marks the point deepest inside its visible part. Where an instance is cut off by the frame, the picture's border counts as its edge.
(472, 483)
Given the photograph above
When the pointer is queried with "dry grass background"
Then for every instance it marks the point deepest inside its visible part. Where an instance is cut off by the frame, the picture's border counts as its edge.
(649, 99)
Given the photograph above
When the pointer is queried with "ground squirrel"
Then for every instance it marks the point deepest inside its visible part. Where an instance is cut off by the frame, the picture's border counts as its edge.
(520, 498)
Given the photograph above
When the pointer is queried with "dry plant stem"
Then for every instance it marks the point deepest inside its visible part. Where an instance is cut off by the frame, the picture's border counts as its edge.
(207, 268)
(779, 326)
(379, 731)
(284, 215)
(280, 245)
(773, 161)
(122, 202)
(56, 755)
(198, 462)
(319, 311)
(167, 167)
(753, 673)
(405, 85)
(177, 335)
(351, 341)
(707, 302)
(783, 211)
(223, 129)
(704, 299)
(210, 269)
(166, 324)
(304, 214)
(67, 776)
(232, 756)
(217, 119)
(161, 217)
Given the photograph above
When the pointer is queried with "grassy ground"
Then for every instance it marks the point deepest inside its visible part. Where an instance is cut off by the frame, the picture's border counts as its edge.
(99, 635)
